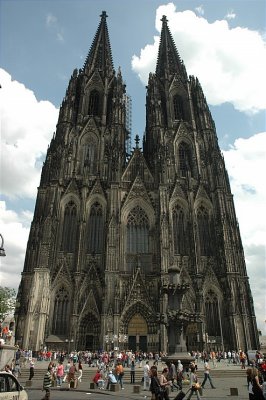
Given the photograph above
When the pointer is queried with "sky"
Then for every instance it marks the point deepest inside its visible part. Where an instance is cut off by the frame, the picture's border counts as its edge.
(223, 43)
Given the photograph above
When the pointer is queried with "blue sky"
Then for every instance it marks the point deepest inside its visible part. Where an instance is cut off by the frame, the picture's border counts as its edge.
(223, 43)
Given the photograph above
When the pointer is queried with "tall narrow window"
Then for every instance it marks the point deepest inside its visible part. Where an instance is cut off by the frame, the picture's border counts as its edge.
(90, 159)
(61, 312)
(204, 231)
(184, 159)
(95, 229)
(94, 104)
(178, 107)
(212, 314)
(137, 231)
(179, 231)
(69, 233)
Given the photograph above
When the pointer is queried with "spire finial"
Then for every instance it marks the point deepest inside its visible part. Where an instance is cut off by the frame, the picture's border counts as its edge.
(103, 15)
(164, 19)
(137, 141)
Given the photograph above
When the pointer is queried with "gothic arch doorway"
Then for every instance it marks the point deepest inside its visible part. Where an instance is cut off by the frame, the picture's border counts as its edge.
(137, 333)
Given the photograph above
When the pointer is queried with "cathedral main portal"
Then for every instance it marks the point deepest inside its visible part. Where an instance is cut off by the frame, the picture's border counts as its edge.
(137, 334)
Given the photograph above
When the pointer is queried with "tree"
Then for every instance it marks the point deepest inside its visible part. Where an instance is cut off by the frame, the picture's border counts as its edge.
(7, 301)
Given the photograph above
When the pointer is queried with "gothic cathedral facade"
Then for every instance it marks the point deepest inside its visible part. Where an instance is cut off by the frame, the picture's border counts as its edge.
(108, 226)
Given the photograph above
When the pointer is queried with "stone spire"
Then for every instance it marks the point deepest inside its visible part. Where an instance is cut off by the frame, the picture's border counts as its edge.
(100, 54)
(168, 61)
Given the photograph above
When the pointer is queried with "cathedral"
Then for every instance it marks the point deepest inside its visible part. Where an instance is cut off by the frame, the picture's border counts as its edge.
(124, 241)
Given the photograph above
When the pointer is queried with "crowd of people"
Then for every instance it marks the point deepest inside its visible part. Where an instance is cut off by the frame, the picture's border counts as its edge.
(67, 369)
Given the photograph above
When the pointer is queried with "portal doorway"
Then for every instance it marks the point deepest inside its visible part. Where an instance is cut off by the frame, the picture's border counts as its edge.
(138, 334)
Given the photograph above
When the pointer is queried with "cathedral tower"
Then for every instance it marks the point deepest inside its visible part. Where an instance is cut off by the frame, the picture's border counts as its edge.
(108, 229)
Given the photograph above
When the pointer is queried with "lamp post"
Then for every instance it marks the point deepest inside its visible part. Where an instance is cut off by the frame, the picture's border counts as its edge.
(2, 250)
(68, 342)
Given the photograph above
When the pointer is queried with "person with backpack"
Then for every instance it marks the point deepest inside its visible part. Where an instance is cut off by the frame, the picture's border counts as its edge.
(47, 383)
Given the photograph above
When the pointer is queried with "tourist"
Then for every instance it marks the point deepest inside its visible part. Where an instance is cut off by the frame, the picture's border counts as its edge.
(132, 371)
(146, 376)
(194, 384)
(207, 375)
(31, 369)
(59, 374)
(119, 371)
(165, 384)
(47, 383)
(80, 370)
(155, 386)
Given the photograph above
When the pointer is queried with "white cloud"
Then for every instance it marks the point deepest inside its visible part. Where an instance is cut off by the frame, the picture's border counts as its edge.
(200, 10)
(27, 126)
(230, 63)
(246, 163)
(51, 20)
(15, 231)
(230, 15)
(52, 25)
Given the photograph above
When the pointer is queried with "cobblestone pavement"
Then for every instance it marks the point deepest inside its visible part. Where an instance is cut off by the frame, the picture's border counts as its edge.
(225, 378)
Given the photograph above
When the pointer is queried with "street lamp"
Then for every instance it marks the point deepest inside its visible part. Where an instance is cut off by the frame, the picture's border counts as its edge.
(69, 341)
(2, 250)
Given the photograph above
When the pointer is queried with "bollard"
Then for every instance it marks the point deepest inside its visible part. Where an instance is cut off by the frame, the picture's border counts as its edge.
(114, 387)
(136, 389)
(233, 391)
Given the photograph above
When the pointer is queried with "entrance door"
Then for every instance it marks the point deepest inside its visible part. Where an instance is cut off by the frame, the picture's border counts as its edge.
(137, 333)
(132, 344)
(143, 343)
(89, 342)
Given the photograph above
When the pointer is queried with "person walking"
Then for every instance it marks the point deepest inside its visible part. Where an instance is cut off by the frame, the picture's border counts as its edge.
(59, 374)
(194, 384)
(80, 369)
(146, 376)
(132, 371)
(47, 383)
(31, 369)
(165, 384)
(207, 375)
(119, 371)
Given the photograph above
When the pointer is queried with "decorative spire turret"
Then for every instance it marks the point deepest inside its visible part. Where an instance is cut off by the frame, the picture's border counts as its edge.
(168, 61)
(100, 54)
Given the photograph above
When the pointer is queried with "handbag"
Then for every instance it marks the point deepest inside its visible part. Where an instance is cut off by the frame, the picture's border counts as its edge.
(196, 386)
(180, 396)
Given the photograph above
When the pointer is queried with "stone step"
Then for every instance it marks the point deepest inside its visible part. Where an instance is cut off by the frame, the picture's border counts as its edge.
(89, 373)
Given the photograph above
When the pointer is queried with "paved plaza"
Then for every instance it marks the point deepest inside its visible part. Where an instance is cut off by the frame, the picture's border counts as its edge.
(225, 377)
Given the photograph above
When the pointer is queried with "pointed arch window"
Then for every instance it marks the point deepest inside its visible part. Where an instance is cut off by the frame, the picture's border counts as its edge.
(179, 230)
(94, 103)
(212, 314)
(69, 232)
(137, 231)
(178, 107)
(61, 312)
(89, 156)
(204, 231)
(184, 159)
(95, 229)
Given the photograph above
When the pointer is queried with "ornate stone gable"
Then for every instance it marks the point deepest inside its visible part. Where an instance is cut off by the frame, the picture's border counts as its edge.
(137, 165)
(138, 191)
(89, 305)
(137, 291)
(97, 189)
(61, 273)
(202, 195)
(72, 188)
(178, 193)
(95, 81)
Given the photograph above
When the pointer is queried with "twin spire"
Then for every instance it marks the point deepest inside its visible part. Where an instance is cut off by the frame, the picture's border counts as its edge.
(100, 54)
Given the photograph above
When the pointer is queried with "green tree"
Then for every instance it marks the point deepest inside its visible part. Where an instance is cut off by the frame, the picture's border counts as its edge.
(7, 301)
